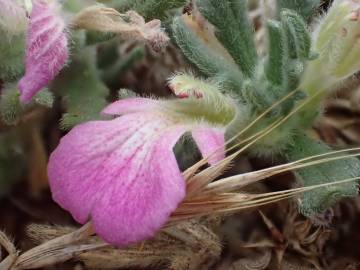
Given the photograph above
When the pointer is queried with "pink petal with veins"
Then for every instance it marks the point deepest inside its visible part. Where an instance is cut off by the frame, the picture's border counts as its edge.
(131, 105)
(211, 142)
(138, 209)
(122, 174)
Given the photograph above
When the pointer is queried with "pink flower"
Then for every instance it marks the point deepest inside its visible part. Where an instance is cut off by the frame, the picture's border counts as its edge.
(122, 174)
(47, 48)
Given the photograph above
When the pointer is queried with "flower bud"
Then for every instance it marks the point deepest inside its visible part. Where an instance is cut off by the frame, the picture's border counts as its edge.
(337, 40)
(203, 98)
(46, 48)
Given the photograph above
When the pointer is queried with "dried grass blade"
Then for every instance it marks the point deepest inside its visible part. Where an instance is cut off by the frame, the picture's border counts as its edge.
(233, 183)
(57, 250)
(189, 210)
(10, 248)
(193, 169)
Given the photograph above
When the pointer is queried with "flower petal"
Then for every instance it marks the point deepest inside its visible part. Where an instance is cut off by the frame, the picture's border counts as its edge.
(131, 105)
(211, 142)
(131, 213)
(47, 48)
(120, 173)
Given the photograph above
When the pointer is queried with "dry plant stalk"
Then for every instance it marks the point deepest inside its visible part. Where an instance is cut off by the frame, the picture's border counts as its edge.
(191, 242)
(54, 251)
(296, 238)
(10, 249)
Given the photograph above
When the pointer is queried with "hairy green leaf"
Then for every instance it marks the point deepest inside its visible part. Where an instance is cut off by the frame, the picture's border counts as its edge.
(234, 30)
(317, 201)
(149, 9)
(83, 91)
(275, 63)
(10, 106)
(209, 62)
(305, 8)
(12, 53)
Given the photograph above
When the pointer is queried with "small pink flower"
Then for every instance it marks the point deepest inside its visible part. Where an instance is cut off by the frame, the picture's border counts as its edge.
(122, 174)
(47, 48)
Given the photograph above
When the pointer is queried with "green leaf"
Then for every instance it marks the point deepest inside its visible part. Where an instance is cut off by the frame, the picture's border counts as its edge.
(298, 48)
(208, 62)
(298, 36)
(317, 201)
(12, 53)
(305, 8)
(288, 52)
(94, 37)
(234, 30)
(149, 9)
(10, 106)
(83, 91)
(275, 63)
(44, 98)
